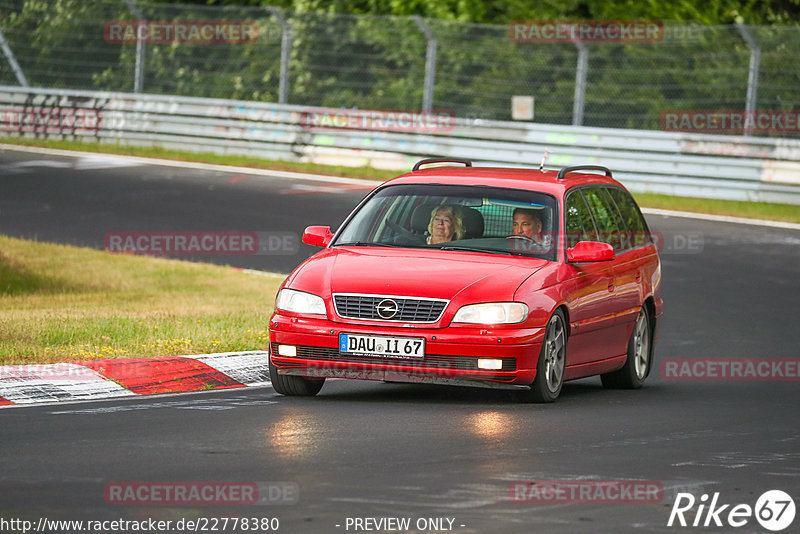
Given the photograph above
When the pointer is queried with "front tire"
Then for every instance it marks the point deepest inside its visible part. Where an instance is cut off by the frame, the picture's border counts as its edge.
(637, 365)
(552, 363)
(293, 386)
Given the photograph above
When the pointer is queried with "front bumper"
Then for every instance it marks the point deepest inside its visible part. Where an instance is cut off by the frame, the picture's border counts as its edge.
(451, 354)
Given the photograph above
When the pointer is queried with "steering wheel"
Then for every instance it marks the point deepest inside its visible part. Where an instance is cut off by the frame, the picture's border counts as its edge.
(399, 230)
(403, 236)
(523, 243)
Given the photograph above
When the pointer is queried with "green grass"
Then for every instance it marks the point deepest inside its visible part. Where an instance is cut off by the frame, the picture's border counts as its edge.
(757, 210)
(61, 304)
(753, 210)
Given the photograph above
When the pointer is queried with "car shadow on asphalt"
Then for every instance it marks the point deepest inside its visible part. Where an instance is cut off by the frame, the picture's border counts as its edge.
(580, 391)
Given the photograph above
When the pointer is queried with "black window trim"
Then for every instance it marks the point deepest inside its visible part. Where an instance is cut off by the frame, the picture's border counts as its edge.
(638, 210)
(580, 188)
(588, 209)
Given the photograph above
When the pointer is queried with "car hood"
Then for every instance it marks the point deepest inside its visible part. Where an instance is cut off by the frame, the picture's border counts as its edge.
(452, 275)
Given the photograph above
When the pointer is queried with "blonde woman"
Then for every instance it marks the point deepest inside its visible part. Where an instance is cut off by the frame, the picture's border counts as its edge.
(446, 224)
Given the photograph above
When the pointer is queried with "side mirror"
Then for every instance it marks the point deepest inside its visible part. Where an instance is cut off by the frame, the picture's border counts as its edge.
(318, 236)
(584, 251)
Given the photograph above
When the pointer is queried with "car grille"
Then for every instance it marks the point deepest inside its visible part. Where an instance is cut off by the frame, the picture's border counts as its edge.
(410, 310)
(464, 363)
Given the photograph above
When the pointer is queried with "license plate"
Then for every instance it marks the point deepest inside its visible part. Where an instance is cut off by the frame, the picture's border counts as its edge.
(382, 346)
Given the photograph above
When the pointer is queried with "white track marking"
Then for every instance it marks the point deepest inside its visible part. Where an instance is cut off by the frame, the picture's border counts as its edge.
(249, 368)
(29, 384)
(70, 382)
(721, 218)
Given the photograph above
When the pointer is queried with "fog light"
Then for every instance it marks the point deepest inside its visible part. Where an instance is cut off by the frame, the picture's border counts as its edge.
(290, 351)
(486, 363)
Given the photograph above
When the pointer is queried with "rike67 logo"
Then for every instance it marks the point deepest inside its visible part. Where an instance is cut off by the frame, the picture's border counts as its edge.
(774, 510)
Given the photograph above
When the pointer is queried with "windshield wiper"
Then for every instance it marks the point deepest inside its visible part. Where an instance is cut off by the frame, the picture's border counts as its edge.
(479, 249)
(366, 244)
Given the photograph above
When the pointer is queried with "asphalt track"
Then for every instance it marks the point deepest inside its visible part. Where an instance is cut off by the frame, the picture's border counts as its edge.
(363, 449)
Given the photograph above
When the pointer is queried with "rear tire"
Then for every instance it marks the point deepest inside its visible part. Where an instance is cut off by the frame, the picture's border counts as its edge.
(552, 363)
(293, 386)
(637, 365)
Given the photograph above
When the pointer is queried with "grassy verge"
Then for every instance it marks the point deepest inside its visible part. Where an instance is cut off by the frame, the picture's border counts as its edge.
(62, 304)
(756, 210)
(752, 210)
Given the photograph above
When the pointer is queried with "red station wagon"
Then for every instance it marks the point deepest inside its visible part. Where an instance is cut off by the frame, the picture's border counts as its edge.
(518, 279)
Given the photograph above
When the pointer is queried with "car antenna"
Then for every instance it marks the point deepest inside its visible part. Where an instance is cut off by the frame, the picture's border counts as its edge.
(547, 152)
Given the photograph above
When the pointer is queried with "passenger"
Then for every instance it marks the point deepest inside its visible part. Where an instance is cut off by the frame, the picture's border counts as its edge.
(446, 224)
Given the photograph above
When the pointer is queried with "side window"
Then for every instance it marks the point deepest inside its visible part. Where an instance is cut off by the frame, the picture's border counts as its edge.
(604, 216)
(631, 216)
(622, 234)
(579, 223)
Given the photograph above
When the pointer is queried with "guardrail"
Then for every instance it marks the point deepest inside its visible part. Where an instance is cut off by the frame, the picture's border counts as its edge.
(711, 166)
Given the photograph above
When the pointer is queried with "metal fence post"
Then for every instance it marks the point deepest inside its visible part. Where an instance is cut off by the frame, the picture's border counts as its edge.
(752, 77)
(138, 76)
(12, 60)
(286, 48)
(430, 63)
(579, 100)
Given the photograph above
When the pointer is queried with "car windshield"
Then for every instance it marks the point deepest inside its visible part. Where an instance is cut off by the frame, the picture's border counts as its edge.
(456, 217)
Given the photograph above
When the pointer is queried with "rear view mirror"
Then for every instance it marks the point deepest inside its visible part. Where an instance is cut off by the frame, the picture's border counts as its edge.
(584, 251)
(318, 236)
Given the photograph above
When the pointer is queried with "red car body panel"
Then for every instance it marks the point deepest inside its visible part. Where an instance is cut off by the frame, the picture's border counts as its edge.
(601, 300)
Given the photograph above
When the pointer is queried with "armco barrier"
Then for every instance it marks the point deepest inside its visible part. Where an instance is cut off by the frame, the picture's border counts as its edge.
(712, 166)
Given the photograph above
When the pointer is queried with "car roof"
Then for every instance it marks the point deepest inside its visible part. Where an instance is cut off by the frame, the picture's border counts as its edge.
(545, 181)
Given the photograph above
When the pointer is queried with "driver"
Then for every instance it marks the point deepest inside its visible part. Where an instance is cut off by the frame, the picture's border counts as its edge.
(527, 223)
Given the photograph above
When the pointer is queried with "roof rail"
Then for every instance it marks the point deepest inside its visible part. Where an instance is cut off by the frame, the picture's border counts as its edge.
(563, 172)
(417, 165)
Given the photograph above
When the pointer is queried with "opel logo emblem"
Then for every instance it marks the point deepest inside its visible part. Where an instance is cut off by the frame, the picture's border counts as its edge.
(387, 308)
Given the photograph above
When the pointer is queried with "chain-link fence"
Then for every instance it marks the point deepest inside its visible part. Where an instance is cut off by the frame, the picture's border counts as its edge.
(374, 62)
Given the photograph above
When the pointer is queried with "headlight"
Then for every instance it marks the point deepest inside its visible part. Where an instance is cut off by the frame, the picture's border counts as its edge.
(492, 313)
(300, 302)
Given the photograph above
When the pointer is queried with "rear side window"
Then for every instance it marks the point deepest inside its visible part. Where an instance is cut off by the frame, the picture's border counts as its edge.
(635, 229)
(605, 216)
(579, 224)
